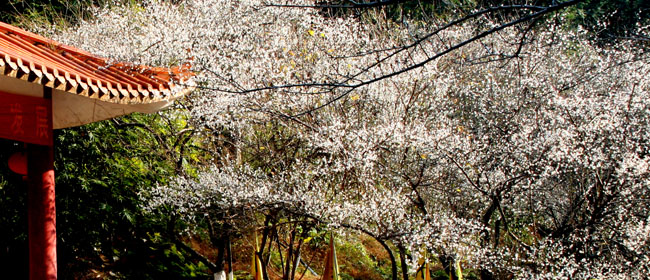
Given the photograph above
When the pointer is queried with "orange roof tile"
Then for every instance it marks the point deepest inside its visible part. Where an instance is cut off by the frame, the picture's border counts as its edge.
(28, 56)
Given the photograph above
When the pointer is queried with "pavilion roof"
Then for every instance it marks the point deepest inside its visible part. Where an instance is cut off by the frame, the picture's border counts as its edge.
(28, 56)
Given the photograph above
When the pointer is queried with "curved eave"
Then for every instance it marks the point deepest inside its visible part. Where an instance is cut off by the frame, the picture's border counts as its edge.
(95, 88)
(30, 57)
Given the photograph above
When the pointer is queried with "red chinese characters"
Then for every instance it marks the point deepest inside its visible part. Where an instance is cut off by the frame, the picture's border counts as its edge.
(25, 118)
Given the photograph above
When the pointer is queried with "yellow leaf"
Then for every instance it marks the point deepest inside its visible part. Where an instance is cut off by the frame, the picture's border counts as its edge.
(311, 32)
(354, 97)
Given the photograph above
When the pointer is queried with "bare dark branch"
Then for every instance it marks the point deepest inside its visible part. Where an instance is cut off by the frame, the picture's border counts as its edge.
(532, 16)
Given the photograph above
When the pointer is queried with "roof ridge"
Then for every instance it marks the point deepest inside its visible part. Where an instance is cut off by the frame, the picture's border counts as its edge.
(45, 41)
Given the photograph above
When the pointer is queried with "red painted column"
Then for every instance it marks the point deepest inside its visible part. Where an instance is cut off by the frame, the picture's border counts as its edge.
(41, 212)
(40, 196)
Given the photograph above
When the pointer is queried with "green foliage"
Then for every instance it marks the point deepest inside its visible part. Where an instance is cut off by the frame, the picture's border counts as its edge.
(41, 11)
(606, 20)
(357, 262)
(100, 170)
(59, 12)
(610, 19)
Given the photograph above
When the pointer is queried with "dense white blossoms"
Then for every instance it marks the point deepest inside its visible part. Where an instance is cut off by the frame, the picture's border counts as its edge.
(535, 166)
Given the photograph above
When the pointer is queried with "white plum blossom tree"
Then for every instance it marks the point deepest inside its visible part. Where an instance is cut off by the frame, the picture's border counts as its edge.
(518, 152)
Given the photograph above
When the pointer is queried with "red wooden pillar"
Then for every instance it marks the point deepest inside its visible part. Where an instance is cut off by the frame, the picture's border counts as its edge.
(41, 212)
(40, 195)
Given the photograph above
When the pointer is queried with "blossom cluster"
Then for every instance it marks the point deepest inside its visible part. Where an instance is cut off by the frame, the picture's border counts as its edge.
(524, 152)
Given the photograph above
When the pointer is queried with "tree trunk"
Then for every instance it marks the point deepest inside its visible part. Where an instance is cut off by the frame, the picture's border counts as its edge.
(286, 275)
(402, 259)
(393, 263)
(265, 236)
(448, 263)
(229, 251)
